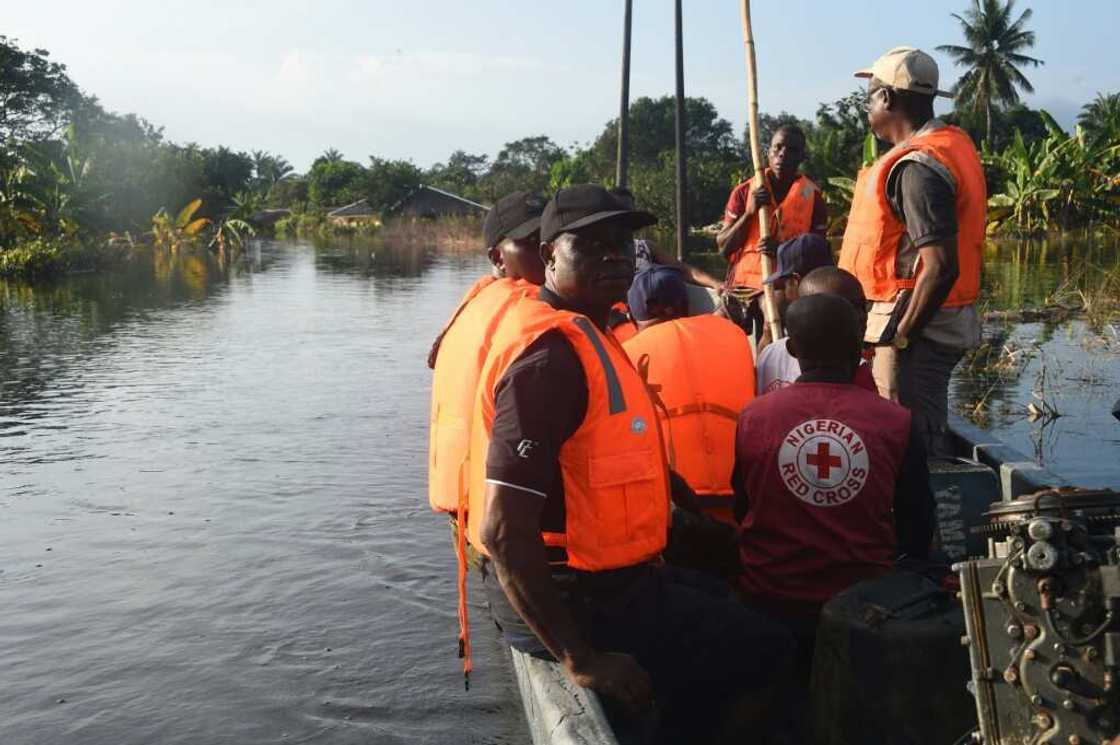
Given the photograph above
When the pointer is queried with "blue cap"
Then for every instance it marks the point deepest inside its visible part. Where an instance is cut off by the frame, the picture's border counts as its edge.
(656, 285)
(800, 256)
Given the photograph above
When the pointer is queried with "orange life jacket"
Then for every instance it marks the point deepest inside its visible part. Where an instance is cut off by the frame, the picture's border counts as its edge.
(874, 232)
(793, 217)
(463, 346)
(616, 482)
(620, 323)
(702, 372)
(457, 358)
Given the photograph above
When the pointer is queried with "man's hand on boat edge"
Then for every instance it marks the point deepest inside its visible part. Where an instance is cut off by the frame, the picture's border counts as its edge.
(616, 675)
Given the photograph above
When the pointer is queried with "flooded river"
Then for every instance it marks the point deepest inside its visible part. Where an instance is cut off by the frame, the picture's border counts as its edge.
(213, 521)
(213, 515)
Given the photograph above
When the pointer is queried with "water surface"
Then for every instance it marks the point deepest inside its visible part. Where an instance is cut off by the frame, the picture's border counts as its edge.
(213, 521)
(213, 517)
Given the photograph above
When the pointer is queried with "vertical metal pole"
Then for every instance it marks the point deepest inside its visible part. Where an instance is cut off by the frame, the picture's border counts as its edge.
(682, 172)
(622, 164)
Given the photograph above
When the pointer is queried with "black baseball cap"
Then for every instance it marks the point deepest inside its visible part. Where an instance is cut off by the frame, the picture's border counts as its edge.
(586, 204)
(515, 216)
(800, 256)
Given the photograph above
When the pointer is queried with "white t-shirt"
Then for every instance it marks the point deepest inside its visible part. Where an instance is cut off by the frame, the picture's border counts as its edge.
(776, 368)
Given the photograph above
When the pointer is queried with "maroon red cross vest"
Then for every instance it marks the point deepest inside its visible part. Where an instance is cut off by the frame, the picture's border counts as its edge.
(820, 461)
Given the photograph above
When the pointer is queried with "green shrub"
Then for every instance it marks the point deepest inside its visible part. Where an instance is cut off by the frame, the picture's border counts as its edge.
(41, 257)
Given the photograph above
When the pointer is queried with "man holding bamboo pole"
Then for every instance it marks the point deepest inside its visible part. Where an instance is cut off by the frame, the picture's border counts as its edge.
(800, 209)
(744, 240)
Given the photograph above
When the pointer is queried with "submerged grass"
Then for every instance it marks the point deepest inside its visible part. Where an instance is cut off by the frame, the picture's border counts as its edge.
(450, 233)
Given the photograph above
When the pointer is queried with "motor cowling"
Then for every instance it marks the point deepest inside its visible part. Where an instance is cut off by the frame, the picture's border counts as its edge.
(1042, 618)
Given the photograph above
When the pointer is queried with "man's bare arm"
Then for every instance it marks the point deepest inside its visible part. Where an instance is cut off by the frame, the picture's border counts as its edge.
(733, 235)
(939, 272)
(511, 533)
(691, 273)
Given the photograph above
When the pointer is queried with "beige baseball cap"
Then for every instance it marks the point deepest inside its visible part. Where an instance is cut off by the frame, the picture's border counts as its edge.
(907, 69)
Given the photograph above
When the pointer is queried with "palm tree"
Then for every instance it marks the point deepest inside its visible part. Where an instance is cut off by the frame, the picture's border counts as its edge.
(993, 55)
(331, 155)
(270, 168)
(1100, 119)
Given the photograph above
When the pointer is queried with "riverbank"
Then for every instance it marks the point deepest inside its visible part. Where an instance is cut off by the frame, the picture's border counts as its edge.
(46, 258)
(445, 233)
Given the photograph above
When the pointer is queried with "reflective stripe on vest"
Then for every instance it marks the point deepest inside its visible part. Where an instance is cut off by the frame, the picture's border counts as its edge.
(462, 350)
(793, 217)
(616, 486)
(871, 241)
(820, 462)
(614, 388)
(702, 372)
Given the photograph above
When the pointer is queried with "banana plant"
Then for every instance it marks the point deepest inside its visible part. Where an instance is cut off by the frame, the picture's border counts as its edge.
(182, 232)
(19, 216)
(230, 236)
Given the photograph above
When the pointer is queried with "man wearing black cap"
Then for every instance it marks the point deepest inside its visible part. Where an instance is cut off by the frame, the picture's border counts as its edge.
(570, 499)
(512, 235)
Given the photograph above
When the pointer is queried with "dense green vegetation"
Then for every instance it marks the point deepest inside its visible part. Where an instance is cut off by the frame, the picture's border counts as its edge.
(79, 184)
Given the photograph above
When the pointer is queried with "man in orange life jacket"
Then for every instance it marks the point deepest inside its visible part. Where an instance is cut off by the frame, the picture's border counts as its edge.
(572, 505)
(914, 240)
(703, 373)
(800, 209)
(831, 484)
(512, 235)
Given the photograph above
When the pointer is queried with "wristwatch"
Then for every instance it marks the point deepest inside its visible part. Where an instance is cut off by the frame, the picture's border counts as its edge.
(900, 342)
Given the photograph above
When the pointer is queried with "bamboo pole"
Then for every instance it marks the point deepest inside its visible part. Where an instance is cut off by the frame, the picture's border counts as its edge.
(768, 306)
(680, 126)
(622, 164)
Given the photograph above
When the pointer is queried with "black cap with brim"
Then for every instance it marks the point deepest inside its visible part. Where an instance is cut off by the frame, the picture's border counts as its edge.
(580, 206)
(525, 229)
(800, 255)
(514, 216)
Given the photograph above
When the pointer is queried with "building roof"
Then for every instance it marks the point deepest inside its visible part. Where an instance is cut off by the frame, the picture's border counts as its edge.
(424, 187)
(360, 208)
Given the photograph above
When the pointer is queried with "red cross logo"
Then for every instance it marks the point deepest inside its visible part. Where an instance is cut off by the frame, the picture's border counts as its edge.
(824, 460)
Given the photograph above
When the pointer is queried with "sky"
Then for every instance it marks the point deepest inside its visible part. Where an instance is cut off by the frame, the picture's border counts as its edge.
(418, 79)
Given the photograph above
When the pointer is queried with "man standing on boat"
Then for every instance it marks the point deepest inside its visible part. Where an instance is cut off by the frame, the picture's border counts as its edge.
(914, 240)
(831, 483)
(512, 236)
(570, 500)
(800, 209)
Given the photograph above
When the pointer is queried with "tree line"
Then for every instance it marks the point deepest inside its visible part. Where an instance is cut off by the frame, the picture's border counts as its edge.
(72, 171)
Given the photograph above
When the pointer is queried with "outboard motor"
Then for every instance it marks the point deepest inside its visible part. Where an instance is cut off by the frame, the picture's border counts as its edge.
(1042, 615)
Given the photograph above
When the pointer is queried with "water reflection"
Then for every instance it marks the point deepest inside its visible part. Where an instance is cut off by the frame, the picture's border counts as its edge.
(368, 257)
(212, 511)
(1027, 272)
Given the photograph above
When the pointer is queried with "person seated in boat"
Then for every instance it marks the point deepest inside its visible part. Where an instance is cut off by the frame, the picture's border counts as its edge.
(831, 481)
(702, 370)
(511, 234)
(570, 501)
(777, 368)
(796, 258)
(797, 207)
